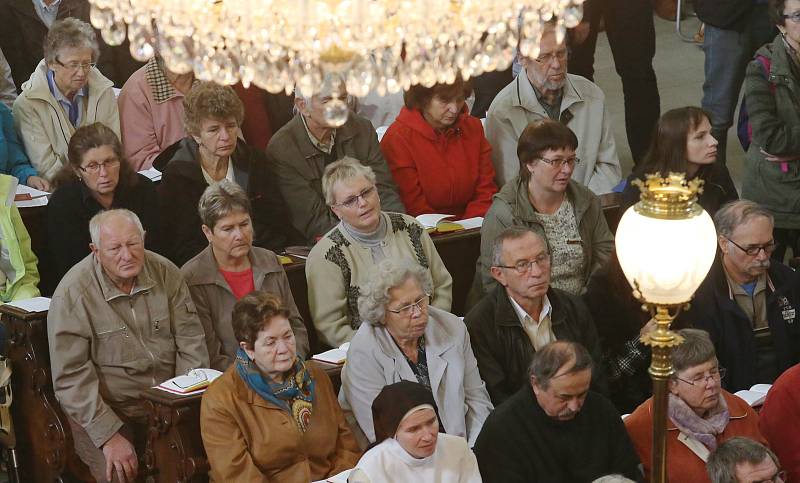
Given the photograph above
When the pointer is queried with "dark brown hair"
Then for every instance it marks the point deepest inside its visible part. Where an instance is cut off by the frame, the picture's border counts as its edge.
(667, 151)
(253, 312)
(418, 96)
(538, 137)
(775, 9)
(89, 137)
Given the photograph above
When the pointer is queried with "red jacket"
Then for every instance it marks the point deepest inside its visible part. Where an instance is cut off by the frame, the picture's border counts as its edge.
(683, 465)
(779, 421)
(440, 172)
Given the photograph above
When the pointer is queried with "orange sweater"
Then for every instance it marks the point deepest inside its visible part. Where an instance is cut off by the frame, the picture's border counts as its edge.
(683, 465)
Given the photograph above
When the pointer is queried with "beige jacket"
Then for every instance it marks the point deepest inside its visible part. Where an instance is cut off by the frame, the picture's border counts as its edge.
(107, 346)
(583, 110)
(44, 126)
(338, 267)
(214, 301)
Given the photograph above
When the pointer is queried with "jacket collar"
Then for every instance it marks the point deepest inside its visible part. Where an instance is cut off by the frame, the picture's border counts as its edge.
(185, 161)
(206, 271)
(413, 119)
(344, 133)
(37, 87)
(736, 412)
(505, 316)
(244, 392)
(526, 97)
(144, 281)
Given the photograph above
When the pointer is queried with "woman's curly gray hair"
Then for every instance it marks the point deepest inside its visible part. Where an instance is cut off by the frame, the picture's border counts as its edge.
(385, 276)
(70, 33)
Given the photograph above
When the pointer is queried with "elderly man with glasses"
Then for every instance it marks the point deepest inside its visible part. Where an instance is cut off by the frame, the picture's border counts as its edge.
(523, 313)
(546, 91)
(748, 302)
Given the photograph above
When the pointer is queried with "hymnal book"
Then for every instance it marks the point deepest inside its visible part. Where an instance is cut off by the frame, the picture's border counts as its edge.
(334, 356)
(756, 395)
(441, 223)
(34, 305)
(27, 197)
(193, 382)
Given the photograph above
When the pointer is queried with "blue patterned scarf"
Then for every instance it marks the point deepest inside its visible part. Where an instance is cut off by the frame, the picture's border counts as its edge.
(295, 395)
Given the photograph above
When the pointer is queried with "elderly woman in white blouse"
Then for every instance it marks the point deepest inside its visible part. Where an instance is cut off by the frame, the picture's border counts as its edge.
(403, 338)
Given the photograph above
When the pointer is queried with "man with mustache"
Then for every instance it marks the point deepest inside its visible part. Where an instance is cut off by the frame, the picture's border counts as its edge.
(121, 320)
(748, 303)
(555, 429)
(523, 313)
(545, 90)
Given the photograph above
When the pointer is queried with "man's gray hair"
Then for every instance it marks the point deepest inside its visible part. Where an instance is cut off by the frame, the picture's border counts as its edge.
(737, 213)
(513, 232)
(696, 349)
(384, 276)
(613, 479)
(548, 361)
(99, 219)
(721, 466)
(220, 200)
(70, 33)
(345, 169)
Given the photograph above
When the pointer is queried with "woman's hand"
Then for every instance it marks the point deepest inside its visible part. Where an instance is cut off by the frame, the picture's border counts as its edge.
(38, 183)
(785, 158)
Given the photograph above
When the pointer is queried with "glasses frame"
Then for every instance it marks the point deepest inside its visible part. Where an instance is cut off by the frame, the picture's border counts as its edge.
(768, 249)
(721, 371)
(95, 168)
(547, 59)
(85, 67)
(526, 266)
(560, 163)
(794, 17)
(421, 304)
(779, 477)
(353, 200)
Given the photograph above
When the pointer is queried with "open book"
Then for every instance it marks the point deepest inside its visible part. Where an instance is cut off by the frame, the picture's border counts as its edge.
(193, 382)
(756, 395)
(334, 356)
(441, 223)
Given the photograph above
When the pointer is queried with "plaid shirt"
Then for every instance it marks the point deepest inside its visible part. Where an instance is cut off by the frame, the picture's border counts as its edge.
(628, 361)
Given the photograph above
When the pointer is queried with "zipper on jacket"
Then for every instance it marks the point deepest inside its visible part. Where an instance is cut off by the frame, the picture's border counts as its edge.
(141, 341)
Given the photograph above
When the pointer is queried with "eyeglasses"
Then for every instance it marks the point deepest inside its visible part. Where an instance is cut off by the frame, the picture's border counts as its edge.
(73, 66)
(753, 250)
(779, 477)
(353, 200)
(408, 310)
(94, 168)
(716, 374)
(546, 59)
(794, 17)
(525, 266)
(561, 162)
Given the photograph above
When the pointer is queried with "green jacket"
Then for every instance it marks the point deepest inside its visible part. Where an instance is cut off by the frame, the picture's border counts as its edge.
(17, 260)
(774, 108)
(511, 206)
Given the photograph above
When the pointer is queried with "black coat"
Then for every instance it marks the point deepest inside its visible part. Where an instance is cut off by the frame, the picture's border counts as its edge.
(72, 206)
(520, 443)
(715, 311)
(503, 349)
(182, 185)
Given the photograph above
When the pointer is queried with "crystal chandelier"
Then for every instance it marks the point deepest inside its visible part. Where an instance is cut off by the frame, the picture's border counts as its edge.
(324, 45)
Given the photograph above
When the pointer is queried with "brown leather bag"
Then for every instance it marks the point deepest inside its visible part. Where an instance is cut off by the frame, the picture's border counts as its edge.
(666, 9)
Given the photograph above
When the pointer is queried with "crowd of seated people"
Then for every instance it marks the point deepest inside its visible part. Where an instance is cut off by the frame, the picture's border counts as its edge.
(548, 355)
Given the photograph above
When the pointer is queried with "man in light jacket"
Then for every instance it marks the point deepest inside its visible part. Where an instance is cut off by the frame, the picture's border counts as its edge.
(547, 91)
(121, 320)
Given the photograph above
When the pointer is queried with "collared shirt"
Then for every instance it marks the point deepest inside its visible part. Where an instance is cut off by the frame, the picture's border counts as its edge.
(540, 333)
(47, 13)
(754, 306)
(74, 108)
(553, 110)
(228, 175)
(326, 148)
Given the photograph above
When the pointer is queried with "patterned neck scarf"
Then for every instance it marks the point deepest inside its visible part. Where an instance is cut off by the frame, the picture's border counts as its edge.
(295, 395)
(705, 429)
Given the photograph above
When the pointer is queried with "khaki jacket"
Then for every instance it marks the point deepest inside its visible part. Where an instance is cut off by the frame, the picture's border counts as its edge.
(214, 301)
(583, 110)
(106, 346)
(250, 440)
(45, 128)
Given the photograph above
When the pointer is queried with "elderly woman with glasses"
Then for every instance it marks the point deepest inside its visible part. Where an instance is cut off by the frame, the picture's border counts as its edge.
(701, 415)
(210, 153)
(404, 338)
(229, 268)
(339, 264)
(544, 197)
(96, 179)
(65, 92)
(271, 416)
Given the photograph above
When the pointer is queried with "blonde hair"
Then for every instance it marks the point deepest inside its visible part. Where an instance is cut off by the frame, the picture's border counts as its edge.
(345, 169)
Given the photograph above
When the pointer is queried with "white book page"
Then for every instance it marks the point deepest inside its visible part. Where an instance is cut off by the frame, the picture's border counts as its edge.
(432, 219)
(469, 223)
(38, 197)
(36, 304)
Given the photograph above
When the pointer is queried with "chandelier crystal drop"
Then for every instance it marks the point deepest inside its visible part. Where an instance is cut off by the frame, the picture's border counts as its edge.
(381, 46)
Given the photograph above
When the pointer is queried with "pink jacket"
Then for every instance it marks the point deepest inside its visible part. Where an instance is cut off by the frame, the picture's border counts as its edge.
(151, 115)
